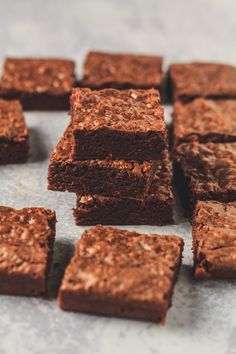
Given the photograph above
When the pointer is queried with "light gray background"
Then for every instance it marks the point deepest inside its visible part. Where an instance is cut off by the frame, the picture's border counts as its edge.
(203, 316)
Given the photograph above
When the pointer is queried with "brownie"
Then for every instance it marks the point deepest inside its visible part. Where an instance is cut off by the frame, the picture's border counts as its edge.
(153, 208)
(214, 240)
(121, 71)
(199, 79)
(14, 135)
(26, 245)
(122, 273)
(205, 120)
(40, 84)
(206, 171)
(126, 124)
(103, 177)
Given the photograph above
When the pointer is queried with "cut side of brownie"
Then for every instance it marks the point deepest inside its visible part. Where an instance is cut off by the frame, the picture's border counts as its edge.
(26, 245)
(40, 84)
(205, 120)
(122, 273)
(214, 240)
(205, 172)
(118, 178)
(122, 71)
(154, 207)
(14, 135)
(200, 79)
(126, 124)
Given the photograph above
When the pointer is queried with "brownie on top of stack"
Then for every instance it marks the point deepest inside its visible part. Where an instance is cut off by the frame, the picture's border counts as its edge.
(114, 155)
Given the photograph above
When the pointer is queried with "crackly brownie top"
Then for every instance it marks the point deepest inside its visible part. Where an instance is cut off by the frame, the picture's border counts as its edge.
(203, 79)
(126, 110)
(210, 167)
(27, 226)
(202, 119)
(104, 69)
(62, 154)
(214, 235)
(124, 263)
(27, 75)
(12, 123)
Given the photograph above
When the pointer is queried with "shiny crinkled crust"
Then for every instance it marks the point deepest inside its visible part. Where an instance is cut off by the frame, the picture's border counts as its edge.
(214, 240)
(199, 79)
(128, 110)
(12, 122)
(141, 270)
(122, 70)
(209, 169)
(205, 120)
(28, 75)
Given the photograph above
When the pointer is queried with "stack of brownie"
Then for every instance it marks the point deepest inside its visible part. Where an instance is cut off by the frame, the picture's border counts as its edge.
(114, 155)
(205, 131)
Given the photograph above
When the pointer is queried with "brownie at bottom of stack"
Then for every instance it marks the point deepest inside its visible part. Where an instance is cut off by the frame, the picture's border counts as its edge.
(96, 209)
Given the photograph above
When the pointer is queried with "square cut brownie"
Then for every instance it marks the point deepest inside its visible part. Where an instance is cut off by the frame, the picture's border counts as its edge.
(40, 84)
(122, 273)
(205, 120)
(126, 124)
(103, 177)
(206, 171)
(153, 208)
(200, 79)
(214, 240)
(14, 135)
(121, 71)
(26, 245)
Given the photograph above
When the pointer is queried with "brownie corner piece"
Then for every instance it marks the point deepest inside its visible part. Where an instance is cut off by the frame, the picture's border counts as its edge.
(214, 240)
(141, 269)
(122, 71)
(127, 124)
(39, 83)
(26, 246)
(14, 134)
(202, 79)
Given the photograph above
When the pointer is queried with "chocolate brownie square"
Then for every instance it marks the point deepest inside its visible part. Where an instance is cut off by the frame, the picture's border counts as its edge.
(118, 178)
(126, 124)
(26, 245)
(122, 273)
(14, 135)
(205, 120)
(206, 171)
(155, 207)
(200, 79)
(214, 240)
(40, 84)
(121, 71)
